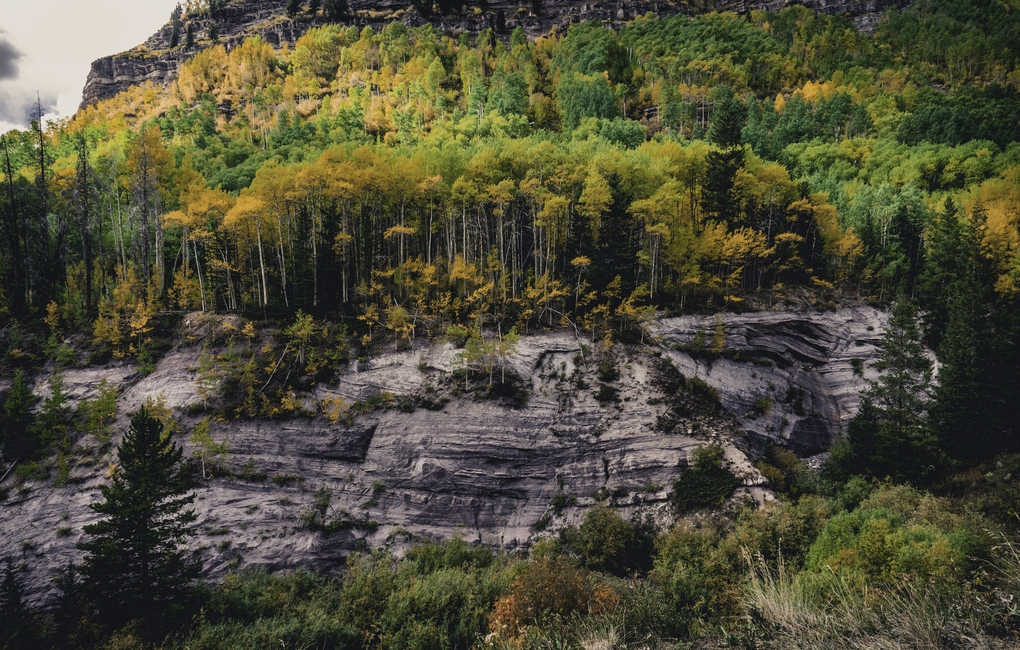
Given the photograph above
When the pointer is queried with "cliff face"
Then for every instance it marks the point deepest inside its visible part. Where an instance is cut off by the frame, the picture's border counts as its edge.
(460, 466)
(156, 63)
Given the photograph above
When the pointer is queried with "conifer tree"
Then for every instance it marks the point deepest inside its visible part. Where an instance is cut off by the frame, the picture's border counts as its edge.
(890, 436)
(313, 7)
(336, 10)
(17, 626)
(16, 437)
(134, 562)
(189, 37)
(293, 7)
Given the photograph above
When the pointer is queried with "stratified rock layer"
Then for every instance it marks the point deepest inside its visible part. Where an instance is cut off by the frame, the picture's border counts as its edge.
(486, 472)
(795, 377)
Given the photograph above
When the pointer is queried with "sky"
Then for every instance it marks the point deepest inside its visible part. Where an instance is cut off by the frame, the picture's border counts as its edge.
(48, 48)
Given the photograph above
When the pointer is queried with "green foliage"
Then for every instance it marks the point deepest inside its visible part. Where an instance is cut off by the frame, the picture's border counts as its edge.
(18, 440)
(134, 562)
(98, 413)
(606, 542)
(890, 436)
(706, 484)
(897, 532)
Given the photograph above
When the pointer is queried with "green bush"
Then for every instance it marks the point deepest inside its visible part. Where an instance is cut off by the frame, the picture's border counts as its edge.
(705, 485)
(896, 533)
(608, 543)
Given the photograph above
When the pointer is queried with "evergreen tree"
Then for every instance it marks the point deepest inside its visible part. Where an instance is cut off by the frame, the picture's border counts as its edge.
(134, 562)
(941, 267)
(728, 119)
(175, 35)
(293, 8)
(189, 37)
(16, 437)
(977, 403)
(213, 32)
(17, 627)
(336, 10)
(890, 436)
(313, 7)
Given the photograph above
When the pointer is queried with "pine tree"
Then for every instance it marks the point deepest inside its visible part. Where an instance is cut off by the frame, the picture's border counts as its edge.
(977, 403)
(213, 32)
(942, 266)
(313, 7)
(727, 120)
(336, 10)
(16, 437)
(189, 37)
(17, 626)
(175, 35)
(890, 436)
(134, 563)
(293, 7)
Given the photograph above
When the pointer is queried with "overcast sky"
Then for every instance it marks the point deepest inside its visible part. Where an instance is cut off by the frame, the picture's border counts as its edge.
(48, 47)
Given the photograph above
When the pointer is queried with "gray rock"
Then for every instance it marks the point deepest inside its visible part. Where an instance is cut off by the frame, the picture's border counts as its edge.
(810, 367)
(471, 468)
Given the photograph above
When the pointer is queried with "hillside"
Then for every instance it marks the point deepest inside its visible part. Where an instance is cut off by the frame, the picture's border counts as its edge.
(156, 61)
(439, 327)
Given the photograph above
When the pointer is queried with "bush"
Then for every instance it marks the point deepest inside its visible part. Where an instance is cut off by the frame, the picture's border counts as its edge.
(607, 394)
(898, 533)
(606, 542)
(547, 588)
(705, 485)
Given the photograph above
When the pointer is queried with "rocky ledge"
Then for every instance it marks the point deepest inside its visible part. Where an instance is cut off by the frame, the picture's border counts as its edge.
(449, 465)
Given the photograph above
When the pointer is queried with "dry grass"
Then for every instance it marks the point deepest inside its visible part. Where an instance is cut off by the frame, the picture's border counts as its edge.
(852, 617)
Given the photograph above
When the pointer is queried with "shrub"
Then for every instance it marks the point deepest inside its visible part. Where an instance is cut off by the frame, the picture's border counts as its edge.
(705, 485)
(607, 394)
(547, 588)
(895, 533)
(606, 542)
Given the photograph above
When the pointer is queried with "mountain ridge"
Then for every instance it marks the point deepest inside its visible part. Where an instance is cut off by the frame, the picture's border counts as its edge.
(156, 62)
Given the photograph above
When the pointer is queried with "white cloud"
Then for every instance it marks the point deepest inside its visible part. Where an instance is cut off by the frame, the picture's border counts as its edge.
(57, 47)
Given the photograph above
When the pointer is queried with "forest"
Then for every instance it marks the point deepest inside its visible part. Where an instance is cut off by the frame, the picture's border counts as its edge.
(406, 183)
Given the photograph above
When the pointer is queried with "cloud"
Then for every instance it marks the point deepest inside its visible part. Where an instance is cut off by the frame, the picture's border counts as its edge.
(17, 103)
(9, 57)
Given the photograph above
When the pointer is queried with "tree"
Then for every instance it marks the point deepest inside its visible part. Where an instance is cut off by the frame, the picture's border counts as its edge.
(213, 32)
(336, 9)
(313, 7)
(727, 121)
(293, 7)
(890, 436)
(17, 439)
(189, 37)
(16, 624)
(134, 563)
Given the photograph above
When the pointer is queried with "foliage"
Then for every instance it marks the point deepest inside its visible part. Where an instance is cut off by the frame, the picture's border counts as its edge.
(706, 484)
(607, 543)
(134, 564)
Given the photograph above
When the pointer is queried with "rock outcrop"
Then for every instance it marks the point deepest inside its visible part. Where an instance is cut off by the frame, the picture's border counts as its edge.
(458, 465)
(156, 62)
(794, 377)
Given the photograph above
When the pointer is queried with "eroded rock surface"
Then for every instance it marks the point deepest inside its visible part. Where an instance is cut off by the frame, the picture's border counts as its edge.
(795, 377)
(465, 467)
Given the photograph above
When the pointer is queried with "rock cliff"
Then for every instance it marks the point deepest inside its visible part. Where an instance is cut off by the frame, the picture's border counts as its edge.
(155, 62)
(460, 466)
